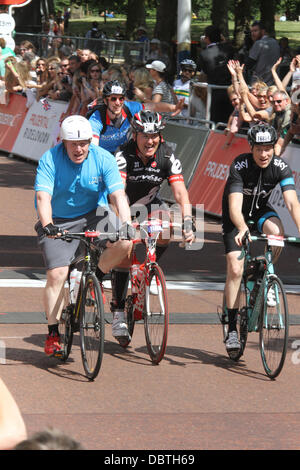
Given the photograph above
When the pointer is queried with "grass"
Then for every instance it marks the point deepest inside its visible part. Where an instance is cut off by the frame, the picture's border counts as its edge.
(79, 27)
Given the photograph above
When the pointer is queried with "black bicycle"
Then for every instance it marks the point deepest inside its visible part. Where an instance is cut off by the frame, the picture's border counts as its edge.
(85, 312)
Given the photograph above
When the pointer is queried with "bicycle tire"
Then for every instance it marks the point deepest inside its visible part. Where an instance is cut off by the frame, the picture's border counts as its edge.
(92, 329)
(156, 314)
(274, 329)
(241, 324)
(66, 331)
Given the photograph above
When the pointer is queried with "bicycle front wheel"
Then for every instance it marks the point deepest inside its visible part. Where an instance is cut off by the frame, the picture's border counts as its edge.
(274, 327)
(156, 314)
(92, 327)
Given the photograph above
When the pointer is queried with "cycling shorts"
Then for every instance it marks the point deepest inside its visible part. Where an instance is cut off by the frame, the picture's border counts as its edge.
(58, 253)
(230, 231)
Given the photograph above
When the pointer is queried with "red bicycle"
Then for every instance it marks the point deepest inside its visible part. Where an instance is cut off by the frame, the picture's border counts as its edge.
(148, 300)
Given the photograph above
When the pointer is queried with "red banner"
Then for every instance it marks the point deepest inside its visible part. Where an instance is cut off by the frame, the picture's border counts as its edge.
(13, 2)
(11, 120)
(212, 172)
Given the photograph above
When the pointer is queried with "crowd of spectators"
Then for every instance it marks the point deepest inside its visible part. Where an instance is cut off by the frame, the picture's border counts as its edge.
(257, 83)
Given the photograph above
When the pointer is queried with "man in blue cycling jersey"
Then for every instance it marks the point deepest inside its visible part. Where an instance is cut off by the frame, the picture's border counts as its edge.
(73, 182)
(111, 121)
(251, 180)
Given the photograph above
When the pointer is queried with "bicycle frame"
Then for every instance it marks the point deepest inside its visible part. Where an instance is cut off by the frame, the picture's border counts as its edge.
(152, 230)
(255, 311)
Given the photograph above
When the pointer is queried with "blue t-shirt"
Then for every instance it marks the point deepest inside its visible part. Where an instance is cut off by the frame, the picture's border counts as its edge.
(113, 137)
(77, 189)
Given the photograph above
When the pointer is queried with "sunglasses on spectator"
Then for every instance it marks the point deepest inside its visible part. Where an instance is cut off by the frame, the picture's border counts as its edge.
(64, 65)
(60, 73)
(278, 101)
(115, 98)
(51, 68)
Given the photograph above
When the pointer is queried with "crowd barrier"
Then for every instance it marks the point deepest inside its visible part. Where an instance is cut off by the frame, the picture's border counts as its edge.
(29, 132)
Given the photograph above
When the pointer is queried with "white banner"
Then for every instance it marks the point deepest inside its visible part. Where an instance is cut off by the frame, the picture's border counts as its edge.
(292, 157)
(40, 129)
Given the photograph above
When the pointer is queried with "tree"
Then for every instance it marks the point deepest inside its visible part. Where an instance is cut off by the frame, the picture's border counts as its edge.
(136, 16)
(166, 20)
(267, 12)
(242, 16)
(219, 16)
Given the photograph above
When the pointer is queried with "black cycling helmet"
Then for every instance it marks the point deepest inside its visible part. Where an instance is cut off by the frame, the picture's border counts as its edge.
(262, 134)
(114, 87)
(147, 122)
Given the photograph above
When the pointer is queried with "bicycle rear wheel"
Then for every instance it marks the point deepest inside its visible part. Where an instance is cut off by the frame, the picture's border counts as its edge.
(274, 328)
(241, 323)
(66, 331)
(156, 314)
(92, 327)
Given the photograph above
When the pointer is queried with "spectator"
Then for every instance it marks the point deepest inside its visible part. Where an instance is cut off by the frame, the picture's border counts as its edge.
(67, 15)
(286, 57)
(282, 118)
(181, 86)
(262, 55)
(91, 35)
(26, 46)
(17, 76)
(4, 53)
(213, 62)
(141, 34)
(142, 85)
(103, 64)
(51, 84)
(235, 120)
(154, 53)
(162, 91)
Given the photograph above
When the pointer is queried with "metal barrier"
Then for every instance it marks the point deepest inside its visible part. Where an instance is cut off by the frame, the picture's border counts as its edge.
(130, 52)
(209, 89)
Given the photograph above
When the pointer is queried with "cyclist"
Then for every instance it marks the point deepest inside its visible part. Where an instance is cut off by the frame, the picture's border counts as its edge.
(251, 180)
(111, 120)
(144, 163)
(181, 86)
(73, 182)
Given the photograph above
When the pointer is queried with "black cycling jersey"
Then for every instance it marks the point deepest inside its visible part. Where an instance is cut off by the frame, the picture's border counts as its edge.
(143, 181)
(255, 183)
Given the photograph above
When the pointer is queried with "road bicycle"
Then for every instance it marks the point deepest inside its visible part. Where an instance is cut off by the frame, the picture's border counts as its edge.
(85, 312)
(263, 305)
(148, 300)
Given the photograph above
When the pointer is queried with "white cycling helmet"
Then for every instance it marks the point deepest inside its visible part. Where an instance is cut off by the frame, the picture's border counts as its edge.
(76, 128)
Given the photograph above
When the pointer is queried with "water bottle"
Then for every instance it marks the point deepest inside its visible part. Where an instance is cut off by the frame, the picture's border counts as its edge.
(75, 277)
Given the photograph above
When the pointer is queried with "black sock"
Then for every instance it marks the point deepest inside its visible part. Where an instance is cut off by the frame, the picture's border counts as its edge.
(160, 249)
(53, 329)
(120, 280)
(100, 275)
(232, 315)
